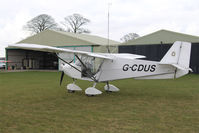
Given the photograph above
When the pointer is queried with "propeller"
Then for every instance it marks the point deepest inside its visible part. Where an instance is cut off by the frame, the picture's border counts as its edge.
(62, 76)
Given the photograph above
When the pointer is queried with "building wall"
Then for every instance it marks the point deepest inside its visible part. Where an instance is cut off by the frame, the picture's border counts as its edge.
(156, 52)
(194, 64)
(103, 49)
(152, 52)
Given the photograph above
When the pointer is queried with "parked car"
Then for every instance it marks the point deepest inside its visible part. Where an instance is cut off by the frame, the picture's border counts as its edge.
(2, 65)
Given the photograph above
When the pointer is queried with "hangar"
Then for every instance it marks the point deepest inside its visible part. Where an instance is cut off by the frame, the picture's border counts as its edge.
(27, 59)
(155, 45)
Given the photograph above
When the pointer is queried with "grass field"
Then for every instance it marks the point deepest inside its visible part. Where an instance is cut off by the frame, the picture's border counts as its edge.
(33, 102)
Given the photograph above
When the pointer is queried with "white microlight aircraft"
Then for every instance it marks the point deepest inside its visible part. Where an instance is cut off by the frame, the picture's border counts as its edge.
(105, 67)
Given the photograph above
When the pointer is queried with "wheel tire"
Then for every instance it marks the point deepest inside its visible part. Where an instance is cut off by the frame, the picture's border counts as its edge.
(71, 91)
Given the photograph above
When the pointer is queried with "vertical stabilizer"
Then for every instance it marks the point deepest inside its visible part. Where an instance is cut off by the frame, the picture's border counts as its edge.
(179, 57)
(172, 56)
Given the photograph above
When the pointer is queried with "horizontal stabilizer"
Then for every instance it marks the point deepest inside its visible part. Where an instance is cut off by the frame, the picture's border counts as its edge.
(178, 67)
(182, 68)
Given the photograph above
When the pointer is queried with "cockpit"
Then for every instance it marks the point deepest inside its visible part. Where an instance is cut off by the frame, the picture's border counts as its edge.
(89, 65)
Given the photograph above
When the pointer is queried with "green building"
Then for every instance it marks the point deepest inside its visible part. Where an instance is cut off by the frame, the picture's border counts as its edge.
(27, 59)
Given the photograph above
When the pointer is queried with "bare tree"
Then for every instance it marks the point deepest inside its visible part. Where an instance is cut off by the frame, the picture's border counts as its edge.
(75, 22)
(41, 23)
(130, 36)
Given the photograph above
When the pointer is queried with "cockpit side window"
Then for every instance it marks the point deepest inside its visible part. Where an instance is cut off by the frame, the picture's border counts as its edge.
(92, 64)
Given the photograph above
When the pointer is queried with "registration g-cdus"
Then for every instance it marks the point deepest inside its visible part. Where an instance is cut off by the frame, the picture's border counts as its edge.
(139, 67)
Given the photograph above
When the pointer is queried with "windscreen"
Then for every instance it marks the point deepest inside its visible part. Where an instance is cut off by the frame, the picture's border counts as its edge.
(91, 63)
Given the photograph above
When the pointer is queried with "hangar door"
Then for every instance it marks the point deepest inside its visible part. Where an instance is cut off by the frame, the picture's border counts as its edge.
(29, 59)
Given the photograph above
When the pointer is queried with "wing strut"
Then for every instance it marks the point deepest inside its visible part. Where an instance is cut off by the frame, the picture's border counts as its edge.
(68, 63)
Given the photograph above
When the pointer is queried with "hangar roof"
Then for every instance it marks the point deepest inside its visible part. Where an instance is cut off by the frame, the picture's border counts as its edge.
(59, 38)
(163, 37)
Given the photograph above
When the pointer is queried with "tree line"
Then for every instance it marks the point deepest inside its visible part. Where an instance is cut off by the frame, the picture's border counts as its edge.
(73, 23)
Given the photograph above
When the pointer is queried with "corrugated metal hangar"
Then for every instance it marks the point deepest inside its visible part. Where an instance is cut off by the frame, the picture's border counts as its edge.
(27, 59)
(155, 45)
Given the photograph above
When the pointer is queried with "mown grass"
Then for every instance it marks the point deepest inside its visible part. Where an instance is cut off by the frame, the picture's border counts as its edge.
(33, 102)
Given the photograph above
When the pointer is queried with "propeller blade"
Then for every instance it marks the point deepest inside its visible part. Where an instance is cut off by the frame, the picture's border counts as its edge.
(62, 76)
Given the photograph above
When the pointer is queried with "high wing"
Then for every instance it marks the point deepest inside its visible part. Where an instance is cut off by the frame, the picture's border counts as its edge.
(56, 50)
(62, 50)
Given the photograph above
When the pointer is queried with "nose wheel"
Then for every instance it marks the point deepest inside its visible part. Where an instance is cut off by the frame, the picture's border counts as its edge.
(73, 87)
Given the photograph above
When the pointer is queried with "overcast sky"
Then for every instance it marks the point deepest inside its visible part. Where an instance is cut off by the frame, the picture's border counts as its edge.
(126, 16)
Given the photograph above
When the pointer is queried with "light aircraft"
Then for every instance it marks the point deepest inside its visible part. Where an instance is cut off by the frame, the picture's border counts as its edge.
(105, 67)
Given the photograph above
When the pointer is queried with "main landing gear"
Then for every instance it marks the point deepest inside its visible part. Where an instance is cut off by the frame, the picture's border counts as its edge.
(91, 91)
(110, 88)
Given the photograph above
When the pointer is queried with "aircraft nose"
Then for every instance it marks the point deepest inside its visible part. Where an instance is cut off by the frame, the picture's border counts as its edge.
(62, 66)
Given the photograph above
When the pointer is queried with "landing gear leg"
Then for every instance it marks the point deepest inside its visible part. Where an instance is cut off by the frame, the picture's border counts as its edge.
(108, 87)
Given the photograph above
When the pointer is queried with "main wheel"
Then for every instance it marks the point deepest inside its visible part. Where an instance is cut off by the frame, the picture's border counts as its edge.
(89, 95)
(71, 91)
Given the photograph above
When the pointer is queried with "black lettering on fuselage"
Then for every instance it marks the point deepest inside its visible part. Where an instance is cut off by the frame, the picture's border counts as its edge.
(134, 67)
(153, 68)
(126, 67)
(147, 67)
(139, 67)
